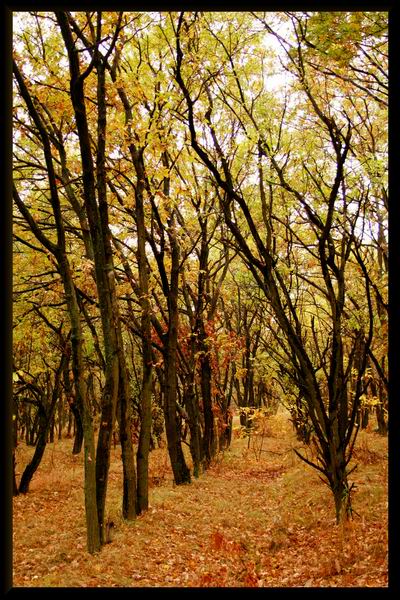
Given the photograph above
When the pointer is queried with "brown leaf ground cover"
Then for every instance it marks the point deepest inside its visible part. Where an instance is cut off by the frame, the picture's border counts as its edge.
(258, 518)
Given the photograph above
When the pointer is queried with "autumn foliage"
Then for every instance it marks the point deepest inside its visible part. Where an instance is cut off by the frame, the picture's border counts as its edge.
(200, 326)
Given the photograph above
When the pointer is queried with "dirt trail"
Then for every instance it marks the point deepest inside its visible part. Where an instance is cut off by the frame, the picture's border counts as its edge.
(248, 521)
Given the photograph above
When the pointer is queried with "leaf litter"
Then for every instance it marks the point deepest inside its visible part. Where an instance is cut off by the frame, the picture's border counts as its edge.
(249, 521)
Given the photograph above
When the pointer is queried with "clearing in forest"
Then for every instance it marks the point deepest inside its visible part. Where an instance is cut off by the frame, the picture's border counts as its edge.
(258, 518)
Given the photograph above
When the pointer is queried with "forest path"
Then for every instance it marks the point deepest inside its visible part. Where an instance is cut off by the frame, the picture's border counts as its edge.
(253, 519)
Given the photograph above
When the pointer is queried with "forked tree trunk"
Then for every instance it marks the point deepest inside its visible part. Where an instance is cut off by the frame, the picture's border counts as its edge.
(46, 415)
(59, 252)
(179, 467)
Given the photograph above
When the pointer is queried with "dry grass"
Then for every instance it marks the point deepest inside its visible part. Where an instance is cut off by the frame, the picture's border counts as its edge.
(246, 522)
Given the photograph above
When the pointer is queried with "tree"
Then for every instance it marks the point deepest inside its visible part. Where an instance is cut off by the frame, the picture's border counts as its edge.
(58, 250)
(202, 197)
(329, 406)
(43, 393)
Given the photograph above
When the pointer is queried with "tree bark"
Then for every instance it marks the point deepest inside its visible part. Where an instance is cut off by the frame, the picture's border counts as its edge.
(333, 427)
(192, 407)
(180, 469)
(129, 500)
(94, 180)
(59, 252)
(147, 351)
(46, 414)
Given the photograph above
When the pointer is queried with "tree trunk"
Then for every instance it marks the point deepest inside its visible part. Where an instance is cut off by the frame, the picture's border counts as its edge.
(147, 352)
(14, 464)
(107, 418)
(70, 424)
(381, 420)
(27, 419)
(46, 417)
(227, 415)
(144, 439)
(41, 443)
(92, 524)
(74, 412)
(209, 441)
(225, 436)
(364, 418)
(340, 489)
(15, 444)
(179, 468)
(59, 252)
(129, 500)
(192, 407)
(60, 416)
(205, 371)
(81, 402)
(78, 439)
(380, 410)
(52, 426)
(33, 429)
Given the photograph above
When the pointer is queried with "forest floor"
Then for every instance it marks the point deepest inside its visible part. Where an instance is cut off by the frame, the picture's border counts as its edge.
(259, 517)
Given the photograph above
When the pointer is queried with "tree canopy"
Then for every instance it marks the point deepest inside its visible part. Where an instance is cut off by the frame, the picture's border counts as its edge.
(200, 223)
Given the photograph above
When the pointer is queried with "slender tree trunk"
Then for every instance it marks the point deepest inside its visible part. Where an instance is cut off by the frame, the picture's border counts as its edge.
(78, 437)
(205, 384)
(70, 424)
(92, 524)
(364, 418)
(147, 352)
(34, 463)
(86, 421)
(180, 470)
(205, 371)
(28, 425)
(192, 407)
(52, 427)
(339, 486)
(144, 438)
(129, 500)
(46, 416)
(59, 252)
(107, 419)
(74, 412)
(15, 444)
(178, 463)
(60, 416)
(225, 436)
(33, 428)
(380, 413)
(381, 420)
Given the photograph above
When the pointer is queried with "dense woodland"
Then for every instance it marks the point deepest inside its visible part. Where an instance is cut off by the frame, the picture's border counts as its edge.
(200, 233)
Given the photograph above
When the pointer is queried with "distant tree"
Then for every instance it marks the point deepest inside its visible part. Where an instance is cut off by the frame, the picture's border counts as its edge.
(316, 352)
